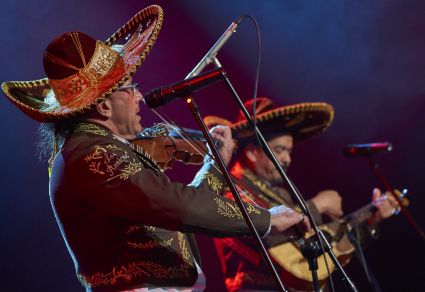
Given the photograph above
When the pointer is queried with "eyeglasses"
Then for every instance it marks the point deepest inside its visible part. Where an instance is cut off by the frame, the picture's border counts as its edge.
(134, 87)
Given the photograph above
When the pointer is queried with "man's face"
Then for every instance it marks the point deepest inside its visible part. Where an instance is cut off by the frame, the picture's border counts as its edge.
(282, 149)
(124, 105)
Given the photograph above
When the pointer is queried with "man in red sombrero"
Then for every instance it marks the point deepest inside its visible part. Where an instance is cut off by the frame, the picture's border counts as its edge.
(126, 226)
(261, 184)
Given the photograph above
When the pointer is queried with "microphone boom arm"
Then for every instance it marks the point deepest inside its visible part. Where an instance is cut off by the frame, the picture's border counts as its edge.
(212, 53)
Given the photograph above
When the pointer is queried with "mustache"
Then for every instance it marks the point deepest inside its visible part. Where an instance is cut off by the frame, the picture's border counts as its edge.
(285, 166)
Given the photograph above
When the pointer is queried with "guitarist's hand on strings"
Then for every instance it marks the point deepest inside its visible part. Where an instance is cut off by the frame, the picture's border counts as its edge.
(283, 218)
(328, 202)
(386, 205)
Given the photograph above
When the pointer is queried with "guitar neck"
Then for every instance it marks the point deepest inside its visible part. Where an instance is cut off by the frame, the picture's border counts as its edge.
(359, 216)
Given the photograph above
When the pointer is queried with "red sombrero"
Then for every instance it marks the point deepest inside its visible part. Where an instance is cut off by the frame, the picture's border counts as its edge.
(82, 71)
(301, 120)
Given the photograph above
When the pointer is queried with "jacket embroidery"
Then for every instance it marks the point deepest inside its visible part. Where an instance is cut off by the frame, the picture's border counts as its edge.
(131, 271)
(149, 228)
(150, 244)
(263, 188)
(232, 210)
(137, 227)
(145, 158)
(90, 128)
(112, 161)
(213, 182)
(184, 249)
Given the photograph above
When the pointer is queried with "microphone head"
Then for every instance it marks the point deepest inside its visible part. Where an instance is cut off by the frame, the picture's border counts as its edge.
(155, 98)
(239, 19)
(366, 149)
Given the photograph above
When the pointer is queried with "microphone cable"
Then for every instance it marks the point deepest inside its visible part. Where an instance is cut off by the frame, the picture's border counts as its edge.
(254, 118)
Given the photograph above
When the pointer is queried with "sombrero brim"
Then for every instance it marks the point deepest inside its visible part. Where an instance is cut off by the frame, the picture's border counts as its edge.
(135, 40)
(301, 120)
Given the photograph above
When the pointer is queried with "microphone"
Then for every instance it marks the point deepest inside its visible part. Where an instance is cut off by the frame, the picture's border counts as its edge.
(352, 150)
(210, 55)
(165, 94)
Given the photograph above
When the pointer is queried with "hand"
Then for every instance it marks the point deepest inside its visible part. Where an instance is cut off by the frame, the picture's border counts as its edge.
(385, 205)
(328, 202)
(282, 218)
(223, 135)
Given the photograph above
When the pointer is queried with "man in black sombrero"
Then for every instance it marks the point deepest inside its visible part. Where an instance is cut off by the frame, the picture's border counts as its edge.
(261, 184)
(126, 226)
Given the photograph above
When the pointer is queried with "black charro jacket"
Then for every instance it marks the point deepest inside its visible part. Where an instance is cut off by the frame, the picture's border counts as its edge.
(125, 224)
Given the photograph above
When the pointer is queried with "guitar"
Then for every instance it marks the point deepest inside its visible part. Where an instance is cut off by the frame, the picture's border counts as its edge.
(295, 268)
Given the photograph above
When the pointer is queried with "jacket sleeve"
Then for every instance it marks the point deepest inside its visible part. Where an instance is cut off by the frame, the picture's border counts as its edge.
(209, 178)
(273, 240)
(110, 177)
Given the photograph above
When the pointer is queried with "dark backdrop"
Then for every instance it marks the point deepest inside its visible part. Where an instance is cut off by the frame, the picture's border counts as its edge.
(366, 58)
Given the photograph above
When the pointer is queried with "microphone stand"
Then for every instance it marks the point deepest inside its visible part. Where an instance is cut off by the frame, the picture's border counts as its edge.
(196, 113)
(210, 57)
(299, 199)
(375, 167)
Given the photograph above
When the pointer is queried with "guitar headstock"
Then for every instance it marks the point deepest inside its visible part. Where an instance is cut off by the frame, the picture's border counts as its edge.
(402, 198)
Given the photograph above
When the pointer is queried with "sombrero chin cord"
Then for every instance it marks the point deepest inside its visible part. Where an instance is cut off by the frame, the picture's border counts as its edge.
(54, 150)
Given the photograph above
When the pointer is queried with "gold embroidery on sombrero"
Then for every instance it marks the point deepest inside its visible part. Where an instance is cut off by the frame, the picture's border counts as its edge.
(76, 39)
(296, 120)
(133, 45)
(52, 58)
(299, 109)
(27, 96)
(112, 161)
(232, 210)
(132, 271)
(70, 91)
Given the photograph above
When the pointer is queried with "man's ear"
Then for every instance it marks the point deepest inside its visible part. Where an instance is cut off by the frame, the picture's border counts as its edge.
(104, 108)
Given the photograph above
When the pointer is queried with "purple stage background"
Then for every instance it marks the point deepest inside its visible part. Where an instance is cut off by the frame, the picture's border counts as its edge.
(366, 58)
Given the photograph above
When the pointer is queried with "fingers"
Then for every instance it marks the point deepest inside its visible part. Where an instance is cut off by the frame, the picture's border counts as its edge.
(385, 209)
(223, 135)
(284, 218)
(333, 205)
(304, 225)
(394, 205)
(335, 211)
(329, 202)
(376, 194)
(386, 205)
(221, 132)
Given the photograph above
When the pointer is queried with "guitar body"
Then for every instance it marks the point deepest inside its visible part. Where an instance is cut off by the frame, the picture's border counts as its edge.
(294, 267)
